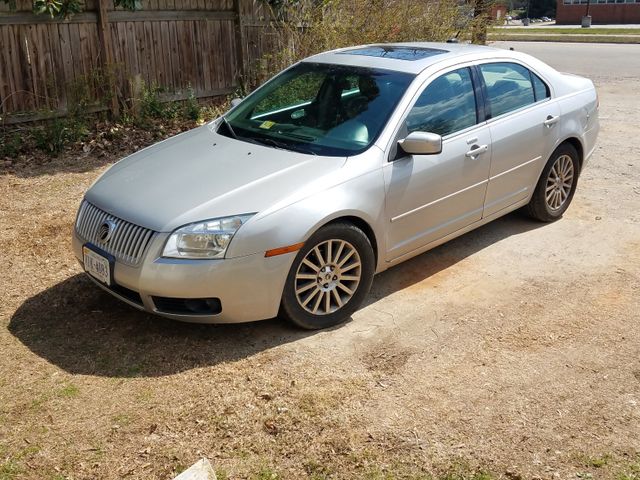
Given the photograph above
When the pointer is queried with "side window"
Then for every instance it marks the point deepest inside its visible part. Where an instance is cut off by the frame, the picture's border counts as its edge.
(540, 89)
(447, 105)
(509, 87)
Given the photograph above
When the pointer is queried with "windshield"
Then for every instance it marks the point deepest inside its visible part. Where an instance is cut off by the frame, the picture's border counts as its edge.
(320, 109)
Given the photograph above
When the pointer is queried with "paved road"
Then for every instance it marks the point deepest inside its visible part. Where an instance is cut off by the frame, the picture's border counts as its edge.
(598, 61)
(517, 24)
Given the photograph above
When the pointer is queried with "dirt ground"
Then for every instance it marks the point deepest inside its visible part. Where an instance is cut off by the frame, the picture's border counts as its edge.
(511, 352)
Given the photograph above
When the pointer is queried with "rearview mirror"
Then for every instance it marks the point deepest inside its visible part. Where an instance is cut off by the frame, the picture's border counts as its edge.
(235, 102)
(421, 143)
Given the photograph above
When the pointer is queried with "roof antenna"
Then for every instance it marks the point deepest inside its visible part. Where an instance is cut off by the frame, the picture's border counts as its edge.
(454, 39)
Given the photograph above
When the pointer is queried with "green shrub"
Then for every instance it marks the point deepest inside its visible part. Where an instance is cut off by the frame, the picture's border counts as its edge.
(192, 110)
(55, 135)
(10, 144)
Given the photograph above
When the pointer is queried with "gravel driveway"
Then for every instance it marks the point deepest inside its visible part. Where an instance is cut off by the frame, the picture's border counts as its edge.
(513, 350)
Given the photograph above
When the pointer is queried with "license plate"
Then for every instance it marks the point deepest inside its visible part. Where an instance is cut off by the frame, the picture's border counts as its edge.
(97, 266)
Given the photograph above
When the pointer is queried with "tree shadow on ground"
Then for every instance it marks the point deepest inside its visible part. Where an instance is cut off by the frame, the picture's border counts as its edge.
(83, 330)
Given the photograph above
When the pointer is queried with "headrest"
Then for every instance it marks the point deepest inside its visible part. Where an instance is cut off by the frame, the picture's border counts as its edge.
(368, 87)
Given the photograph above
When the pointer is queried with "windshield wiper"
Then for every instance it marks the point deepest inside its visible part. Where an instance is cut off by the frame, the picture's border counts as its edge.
(229, 127)
(282, 145)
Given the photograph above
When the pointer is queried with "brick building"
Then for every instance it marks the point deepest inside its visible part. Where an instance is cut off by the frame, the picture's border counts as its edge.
(601, 11)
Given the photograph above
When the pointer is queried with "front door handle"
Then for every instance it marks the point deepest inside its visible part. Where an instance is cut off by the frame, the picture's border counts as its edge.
(476, 150)
(551, 121)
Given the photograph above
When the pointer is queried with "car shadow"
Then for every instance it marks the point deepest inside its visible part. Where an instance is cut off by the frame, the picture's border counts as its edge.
(83, 330)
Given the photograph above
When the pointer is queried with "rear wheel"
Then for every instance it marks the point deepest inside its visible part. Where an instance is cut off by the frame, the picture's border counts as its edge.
(329, 278)
(556, 186)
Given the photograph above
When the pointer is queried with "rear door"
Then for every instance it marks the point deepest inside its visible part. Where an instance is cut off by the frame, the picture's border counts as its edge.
(431, 196)
(522, 119)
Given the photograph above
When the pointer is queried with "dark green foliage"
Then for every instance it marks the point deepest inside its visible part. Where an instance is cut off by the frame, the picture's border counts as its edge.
(191, 106)
(57, 8)
(10, 144)
(67, 8)
(58, 133)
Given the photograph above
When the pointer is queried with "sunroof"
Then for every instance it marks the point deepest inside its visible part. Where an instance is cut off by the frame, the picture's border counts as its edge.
(397, 53)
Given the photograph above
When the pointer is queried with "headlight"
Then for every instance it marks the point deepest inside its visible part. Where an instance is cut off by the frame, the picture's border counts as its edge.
(206, 239)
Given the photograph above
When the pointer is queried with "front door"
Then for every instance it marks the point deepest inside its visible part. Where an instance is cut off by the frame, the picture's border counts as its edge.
(431, 196)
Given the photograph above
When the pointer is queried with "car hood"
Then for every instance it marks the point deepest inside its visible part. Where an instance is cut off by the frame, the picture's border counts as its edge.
(199, 175)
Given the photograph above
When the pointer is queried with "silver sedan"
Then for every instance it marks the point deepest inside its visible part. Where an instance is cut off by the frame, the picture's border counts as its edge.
(343, 165)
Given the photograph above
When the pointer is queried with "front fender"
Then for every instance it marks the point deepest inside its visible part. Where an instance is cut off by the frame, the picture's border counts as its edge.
(360, 194)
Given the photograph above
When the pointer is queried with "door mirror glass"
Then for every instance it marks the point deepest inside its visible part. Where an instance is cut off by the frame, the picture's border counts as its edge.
(235, 102)
(421, 143)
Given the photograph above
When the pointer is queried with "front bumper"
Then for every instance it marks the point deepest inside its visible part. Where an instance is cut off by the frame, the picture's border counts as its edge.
(249, 288)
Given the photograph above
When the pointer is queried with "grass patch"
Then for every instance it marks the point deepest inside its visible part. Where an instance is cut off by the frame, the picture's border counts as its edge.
(69, 391)
(266, 473)
(9, 470)
(631, 472)
(598, 462)
(121, 419)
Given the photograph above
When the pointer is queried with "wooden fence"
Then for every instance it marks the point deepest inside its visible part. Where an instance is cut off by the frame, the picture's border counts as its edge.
(184, 46)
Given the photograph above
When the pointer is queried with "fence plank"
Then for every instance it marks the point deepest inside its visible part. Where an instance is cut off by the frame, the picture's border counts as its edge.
(205, 44)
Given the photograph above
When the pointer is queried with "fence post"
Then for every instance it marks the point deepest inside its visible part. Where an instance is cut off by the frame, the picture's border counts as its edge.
(106, 54)
(240, 57)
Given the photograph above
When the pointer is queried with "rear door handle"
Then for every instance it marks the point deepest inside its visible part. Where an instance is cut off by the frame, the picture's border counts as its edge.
(476, 150)
(551, 121)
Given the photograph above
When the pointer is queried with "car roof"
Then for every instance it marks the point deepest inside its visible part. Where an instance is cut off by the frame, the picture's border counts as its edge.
(410, 57)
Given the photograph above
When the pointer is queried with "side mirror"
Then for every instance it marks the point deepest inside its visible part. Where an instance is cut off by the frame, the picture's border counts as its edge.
(421, 143)
(235, 102)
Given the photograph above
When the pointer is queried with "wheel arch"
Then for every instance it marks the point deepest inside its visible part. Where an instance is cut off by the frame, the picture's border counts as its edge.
(577, 144)
(362, 225)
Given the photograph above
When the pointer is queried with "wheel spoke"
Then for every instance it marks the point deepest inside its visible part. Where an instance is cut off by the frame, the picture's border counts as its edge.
(329, 251)
(305, 288)
(336, 295)
(336, 257)
(342, 286)
(350, 267)
(312, 266)
(346, 257)
(317, 304)
(327, 302)
(350, 278)
(319, 255)
(306, 276)
(311, 295)
(550, 196)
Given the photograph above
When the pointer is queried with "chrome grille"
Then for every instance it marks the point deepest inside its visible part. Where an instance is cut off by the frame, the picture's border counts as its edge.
(127, 242)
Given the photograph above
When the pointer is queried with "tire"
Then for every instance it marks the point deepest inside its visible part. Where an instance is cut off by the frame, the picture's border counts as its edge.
(345, 278)
(554, 192)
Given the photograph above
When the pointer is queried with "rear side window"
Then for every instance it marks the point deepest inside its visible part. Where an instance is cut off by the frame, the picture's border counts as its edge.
(446, 106)
(509, 87)
(540, 89)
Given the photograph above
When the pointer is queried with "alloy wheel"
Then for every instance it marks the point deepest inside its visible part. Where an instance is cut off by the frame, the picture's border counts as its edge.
(328, 277)
(559, 183)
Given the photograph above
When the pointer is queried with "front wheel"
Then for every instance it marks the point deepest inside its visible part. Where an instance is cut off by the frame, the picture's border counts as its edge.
(330, 277)
(556, 185)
